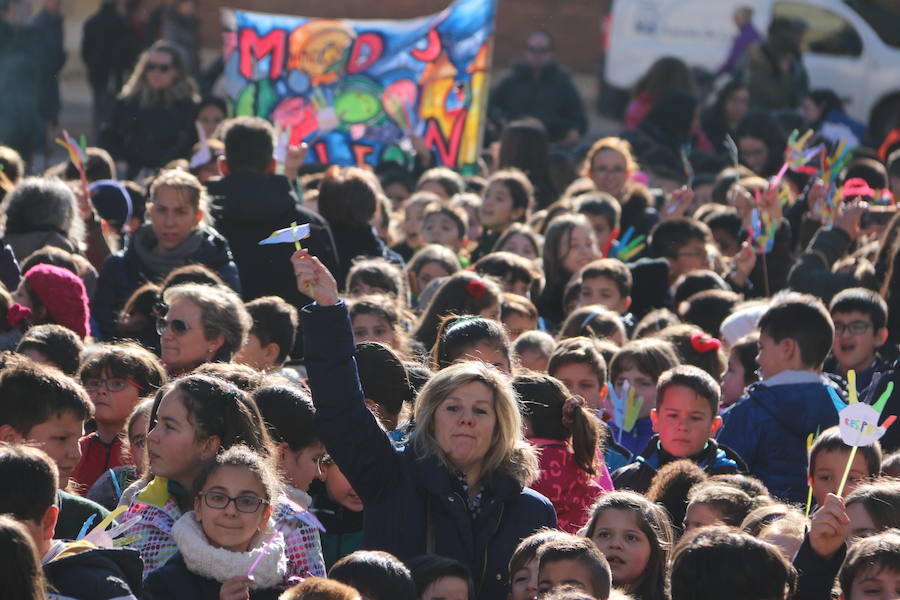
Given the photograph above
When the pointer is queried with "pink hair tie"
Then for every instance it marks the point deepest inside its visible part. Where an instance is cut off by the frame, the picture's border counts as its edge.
(571, 403)
(703, 343)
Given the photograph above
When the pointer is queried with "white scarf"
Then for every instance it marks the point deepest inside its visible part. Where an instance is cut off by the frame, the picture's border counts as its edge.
(204, 559)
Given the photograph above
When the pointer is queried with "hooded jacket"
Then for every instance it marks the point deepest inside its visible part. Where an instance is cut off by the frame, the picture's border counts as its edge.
(571, 490)
(715, 459)
(768, 428)
(81, 570)
(412, 503)
(125, 271)
(248, 207)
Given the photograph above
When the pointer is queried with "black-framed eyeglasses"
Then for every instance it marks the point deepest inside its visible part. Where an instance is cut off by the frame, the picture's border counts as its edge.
(178, 326)
(116, 384)
(244, 504)
(539, 49)
(161, 67)
(853, 327)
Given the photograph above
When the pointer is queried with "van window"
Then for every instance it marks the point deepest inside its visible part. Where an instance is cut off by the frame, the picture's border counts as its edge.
(826, 32)
(881, 16)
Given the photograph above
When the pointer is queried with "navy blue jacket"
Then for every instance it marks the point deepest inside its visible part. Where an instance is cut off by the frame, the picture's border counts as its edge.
(714, 459)
(768, 428)
(409, 499)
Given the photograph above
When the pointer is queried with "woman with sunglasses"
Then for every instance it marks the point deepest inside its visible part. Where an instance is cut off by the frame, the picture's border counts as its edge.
(116, 377)
(153, 119)
(200, 324)
(176, 236)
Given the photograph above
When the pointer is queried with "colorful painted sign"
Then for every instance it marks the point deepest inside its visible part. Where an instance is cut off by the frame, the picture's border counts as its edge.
(354, 90)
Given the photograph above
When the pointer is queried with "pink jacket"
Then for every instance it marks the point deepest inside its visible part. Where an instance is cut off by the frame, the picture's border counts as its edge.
(571, 490)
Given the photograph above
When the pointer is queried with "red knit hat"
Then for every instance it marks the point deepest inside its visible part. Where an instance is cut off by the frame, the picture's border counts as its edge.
(62, 292)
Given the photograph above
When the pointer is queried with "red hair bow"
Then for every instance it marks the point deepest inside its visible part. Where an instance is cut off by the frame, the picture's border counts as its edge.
(703, 343)
(476, 289)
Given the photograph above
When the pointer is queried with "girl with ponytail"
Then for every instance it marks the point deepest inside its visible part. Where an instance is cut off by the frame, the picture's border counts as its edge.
(573, 474)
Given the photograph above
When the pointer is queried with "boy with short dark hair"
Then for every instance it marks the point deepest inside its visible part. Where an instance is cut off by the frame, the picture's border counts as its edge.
(769, 426)
(251, 201)
(516, 274)
(607, 282)
(54, 345)
(717, 562)
(828, 458)
(604, 213)
(446, 226)
(42, 407)
(75, 569)
(573, 561)
(685, 420)
(678, 246)
(860, 329)
(272, 336)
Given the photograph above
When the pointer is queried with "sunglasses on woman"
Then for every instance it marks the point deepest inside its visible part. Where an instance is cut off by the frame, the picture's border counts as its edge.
(178, 326)
(161, 67)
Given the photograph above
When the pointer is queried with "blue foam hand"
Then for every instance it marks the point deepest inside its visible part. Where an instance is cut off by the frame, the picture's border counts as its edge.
(839, 404)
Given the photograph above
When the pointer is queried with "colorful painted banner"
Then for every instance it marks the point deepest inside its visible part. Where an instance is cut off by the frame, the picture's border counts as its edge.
(355, 89)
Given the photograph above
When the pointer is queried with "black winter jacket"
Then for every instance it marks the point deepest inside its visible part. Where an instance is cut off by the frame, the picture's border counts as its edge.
(173, 581)
(247, 208)
(96, 574)
(411, 503)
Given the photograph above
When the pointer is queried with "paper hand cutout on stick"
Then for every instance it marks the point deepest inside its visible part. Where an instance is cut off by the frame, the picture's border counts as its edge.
(288, 235)
(203, 154)
(857, 421)
(626, 407)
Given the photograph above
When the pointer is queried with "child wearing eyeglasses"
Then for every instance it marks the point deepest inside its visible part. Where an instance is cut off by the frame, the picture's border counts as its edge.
(228, 546)
(116, 377)
(860, 319)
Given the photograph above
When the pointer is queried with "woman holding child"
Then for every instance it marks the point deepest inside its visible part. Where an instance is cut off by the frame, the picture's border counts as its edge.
(459, 488)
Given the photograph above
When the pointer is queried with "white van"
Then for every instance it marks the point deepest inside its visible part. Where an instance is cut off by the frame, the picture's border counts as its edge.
(850, 46)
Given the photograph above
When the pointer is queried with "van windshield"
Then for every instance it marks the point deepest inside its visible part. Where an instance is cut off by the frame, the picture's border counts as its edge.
(882, 15)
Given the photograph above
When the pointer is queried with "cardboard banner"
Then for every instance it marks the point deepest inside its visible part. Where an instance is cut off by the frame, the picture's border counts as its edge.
(354, 89)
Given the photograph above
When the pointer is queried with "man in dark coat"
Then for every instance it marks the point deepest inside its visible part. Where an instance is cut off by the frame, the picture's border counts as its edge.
(251, 202)
(109, 49)
(538, 88)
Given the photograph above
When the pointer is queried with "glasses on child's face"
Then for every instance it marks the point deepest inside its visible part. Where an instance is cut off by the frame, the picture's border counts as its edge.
(244, 504)
(178, 326)
(853, 327)
(116, 384)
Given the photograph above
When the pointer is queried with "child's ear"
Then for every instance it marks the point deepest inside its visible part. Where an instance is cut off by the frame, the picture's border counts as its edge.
(271, 352)
(9, 434)
(881, 336)
(271, 168)
(223, 167)
(654, 418)
(715, 426)
(627, 302)
(48, 522)
(267, 513)
(197, 501)
(211, 447)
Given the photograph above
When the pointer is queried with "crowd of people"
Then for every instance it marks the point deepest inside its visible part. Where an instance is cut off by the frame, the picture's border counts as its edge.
(592, 370)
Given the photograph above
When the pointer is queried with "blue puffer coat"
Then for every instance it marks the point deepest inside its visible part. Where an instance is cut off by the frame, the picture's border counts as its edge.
(411, 503)
(768, 428)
